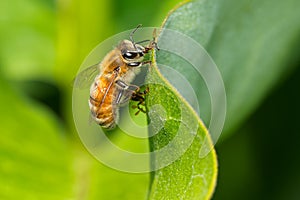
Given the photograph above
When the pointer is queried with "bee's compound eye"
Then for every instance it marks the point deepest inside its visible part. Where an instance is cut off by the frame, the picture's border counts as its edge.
(130, 55)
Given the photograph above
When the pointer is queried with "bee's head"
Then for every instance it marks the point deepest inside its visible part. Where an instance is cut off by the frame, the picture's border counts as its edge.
(131, 51)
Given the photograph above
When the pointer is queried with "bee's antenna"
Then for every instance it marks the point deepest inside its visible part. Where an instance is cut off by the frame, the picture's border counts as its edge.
(142, 41)
(131, 35)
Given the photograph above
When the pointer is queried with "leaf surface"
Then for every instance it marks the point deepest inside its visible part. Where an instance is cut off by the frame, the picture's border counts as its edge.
(250, 41)
(179, 136)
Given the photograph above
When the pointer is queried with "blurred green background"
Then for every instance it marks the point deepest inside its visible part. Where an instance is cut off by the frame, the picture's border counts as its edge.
(43, 44)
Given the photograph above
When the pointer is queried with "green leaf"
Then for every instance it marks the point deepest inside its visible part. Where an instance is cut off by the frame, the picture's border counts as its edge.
(252, 42)
(35, 159)
(181, 173)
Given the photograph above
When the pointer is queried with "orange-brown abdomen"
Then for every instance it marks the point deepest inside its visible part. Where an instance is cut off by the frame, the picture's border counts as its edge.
(102, 101)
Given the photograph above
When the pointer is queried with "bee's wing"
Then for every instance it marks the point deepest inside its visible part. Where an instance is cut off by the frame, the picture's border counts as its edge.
(85, 78)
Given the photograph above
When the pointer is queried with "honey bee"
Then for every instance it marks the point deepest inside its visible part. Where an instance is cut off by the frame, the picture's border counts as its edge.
(111, 87)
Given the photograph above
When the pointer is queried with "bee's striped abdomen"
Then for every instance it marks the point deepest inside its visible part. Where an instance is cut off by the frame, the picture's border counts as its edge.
(101, 102)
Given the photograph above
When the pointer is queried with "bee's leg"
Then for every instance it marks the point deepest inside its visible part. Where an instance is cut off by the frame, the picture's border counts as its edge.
(125, 92)
(154, 40)
(153, 43)
(131, 92)
(124, 96)
(146, 62)
(120, 94)
(125, 86)
(140, 97)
